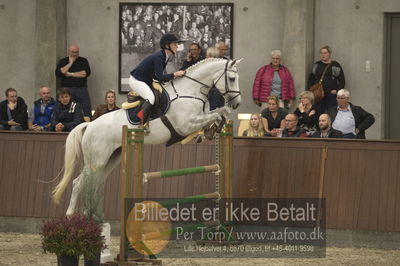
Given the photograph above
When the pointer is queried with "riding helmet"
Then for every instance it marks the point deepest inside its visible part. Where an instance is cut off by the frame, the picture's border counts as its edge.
(168, 39)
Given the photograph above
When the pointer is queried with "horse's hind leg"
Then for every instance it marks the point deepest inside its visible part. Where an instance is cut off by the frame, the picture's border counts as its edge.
(76, 189)
(77, 182)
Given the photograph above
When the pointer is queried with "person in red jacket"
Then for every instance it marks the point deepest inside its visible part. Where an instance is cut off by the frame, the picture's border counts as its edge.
(274, 79)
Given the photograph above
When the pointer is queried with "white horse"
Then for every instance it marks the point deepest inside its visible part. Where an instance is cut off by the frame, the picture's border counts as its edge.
(98, 143)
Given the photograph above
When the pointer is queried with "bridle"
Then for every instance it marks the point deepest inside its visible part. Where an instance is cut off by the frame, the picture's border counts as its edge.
(227, 89)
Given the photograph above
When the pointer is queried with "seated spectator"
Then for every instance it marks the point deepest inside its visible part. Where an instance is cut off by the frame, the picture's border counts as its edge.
(306, 112)
(222, 49)
(256, 128)
(350, 119)
(193, 56)
(291, 127)
(13, 112)
(326, 131)
(109, 106)
(273, 117)
(67, 114)
(42, 110)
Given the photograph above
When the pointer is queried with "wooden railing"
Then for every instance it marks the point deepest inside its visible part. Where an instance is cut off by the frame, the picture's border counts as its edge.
(360, 178)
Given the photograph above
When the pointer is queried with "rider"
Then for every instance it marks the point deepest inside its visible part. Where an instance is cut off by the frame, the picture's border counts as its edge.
(152, 67)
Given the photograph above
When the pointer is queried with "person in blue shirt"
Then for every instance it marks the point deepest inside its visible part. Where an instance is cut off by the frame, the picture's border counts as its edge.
(152, 67)
(40, 115)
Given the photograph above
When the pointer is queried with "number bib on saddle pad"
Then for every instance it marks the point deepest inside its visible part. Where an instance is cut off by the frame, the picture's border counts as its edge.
(161, 106)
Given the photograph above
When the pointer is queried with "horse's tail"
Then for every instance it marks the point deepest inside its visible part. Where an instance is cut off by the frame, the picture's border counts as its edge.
(73, 154)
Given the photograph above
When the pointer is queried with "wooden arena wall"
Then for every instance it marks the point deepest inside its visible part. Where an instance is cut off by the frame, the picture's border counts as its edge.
(361, 180)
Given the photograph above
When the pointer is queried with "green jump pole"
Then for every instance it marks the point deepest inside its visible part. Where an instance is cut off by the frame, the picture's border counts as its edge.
(191, 199)
(183, 171)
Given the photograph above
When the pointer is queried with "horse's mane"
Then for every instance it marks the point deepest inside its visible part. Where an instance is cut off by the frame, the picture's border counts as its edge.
(206, 60)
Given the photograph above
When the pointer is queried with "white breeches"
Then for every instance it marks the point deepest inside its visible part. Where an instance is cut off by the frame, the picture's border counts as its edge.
(142, 89)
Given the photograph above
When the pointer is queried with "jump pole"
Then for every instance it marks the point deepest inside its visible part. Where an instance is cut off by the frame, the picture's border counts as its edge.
(131, 181)
(132, 176)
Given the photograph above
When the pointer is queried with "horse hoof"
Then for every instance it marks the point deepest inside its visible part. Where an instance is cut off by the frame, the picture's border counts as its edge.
(69, 213)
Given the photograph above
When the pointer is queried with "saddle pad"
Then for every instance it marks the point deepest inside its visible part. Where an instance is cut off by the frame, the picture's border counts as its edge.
(165, 102)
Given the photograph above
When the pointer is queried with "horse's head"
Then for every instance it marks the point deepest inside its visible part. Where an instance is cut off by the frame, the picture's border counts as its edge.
(227, 83)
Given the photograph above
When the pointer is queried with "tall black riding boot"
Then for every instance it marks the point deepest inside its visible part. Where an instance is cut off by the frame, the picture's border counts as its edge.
(145, 112)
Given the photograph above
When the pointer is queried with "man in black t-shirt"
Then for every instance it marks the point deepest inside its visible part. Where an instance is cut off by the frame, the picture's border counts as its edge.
(73, 71)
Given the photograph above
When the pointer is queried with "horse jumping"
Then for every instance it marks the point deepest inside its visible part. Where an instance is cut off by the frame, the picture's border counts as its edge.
(98, 144)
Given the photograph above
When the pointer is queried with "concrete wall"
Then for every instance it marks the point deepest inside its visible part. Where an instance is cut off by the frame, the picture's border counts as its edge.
(98, 40)
(37, 33)
(356, 32)
(17, 37)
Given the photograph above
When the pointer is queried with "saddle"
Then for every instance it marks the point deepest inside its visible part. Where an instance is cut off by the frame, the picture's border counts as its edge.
(160, 107)
(135, 100)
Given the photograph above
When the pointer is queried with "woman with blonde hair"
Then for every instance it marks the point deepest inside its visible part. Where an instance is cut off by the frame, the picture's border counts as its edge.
(256, 128)
(109, 105)
(307, 113)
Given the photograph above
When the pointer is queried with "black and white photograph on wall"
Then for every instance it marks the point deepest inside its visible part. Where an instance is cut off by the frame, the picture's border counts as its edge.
(142, 25)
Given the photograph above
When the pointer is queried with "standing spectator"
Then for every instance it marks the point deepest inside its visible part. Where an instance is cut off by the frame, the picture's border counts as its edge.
(274, 79)
(13, 112)
(73, 71)
(273, 116)
(193, 56)
(307, 114)
(67, 114)
(352, 120)
(333, 79)
(42, 111)
(109, 105)
(326, 131)
(291, 128)
(256, 128)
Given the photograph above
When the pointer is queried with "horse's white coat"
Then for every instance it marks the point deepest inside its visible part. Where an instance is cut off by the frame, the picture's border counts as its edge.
(98, 141)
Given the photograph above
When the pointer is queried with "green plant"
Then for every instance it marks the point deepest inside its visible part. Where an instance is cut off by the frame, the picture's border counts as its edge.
(92, 196)
(73, 236)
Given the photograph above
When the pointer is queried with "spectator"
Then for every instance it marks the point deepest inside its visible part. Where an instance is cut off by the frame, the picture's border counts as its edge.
(291, 128)
(307, 114)
(222, 48)
(274, 79)
(109, 106)
(67, 114)
(193, 56)
(42, 111)
(273, 117)
(256, 128)
(73, 71)
(13, 112)
(333, 79)
(326, 131)
(352, 120)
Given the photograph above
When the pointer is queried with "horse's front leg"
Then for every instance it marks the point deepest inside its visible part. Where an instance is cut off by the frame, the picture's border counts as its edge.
(198, 122)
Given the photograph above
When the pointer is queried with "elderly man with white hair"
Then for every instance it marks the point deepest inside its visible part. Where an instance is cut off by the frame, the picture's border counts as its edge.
(350, 119)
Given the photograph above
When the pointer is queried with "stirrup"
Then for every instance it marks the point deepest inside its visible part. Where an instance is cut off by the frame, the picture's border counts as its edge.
(146, 128)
